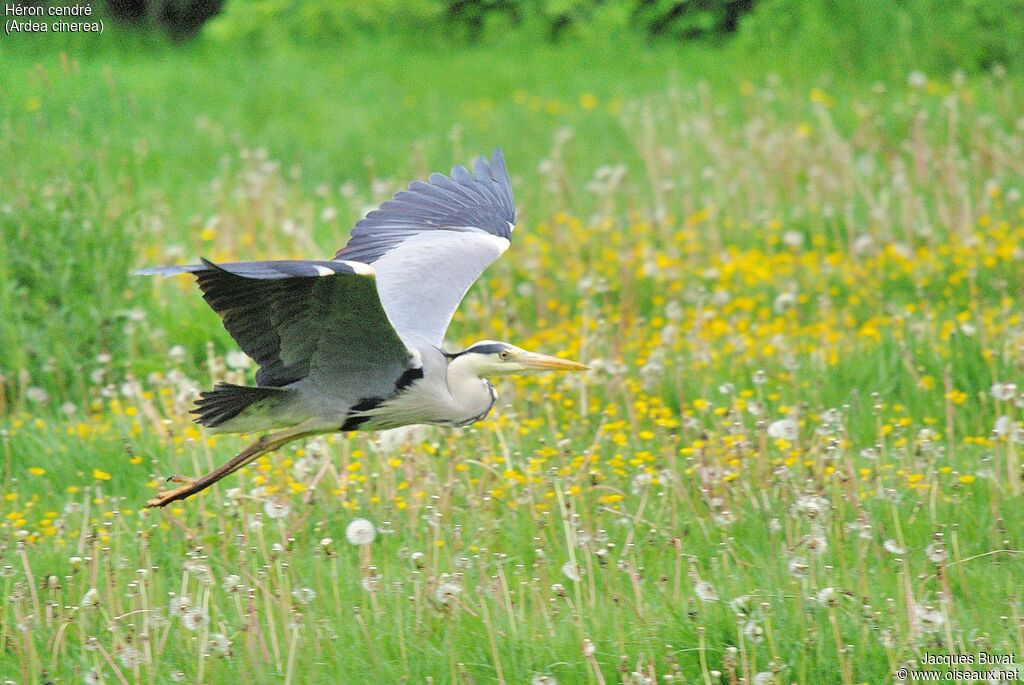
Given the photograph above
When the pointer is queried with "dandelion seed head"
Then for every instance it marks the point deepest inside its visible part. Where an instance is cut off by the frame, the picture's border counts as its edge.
(304, 595)
(179, 605)
(91, 599)
(232, 584)
(740, 605)
(754, 632)
(37, 395)
(219, 644)
(812, 507)
(571, 571)
(816, 544)
(798, 568)
(360, 532)
(276, 510)
(929, 619)
(130, 657)
(936, 552)
(447, 592)
(705, 591)
(893, 547)
(195, 618)
(785, 429)
(177, 354)
(371, 581)
(1004, 391)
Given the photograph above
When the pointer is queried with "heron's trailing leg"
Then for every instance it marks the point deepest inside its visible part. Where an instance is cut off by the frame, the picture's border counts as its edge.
(266, 443)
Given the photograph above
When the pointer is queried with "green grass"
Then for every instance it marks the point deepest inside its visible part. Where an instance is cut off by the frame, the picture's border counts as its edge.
(710, 238)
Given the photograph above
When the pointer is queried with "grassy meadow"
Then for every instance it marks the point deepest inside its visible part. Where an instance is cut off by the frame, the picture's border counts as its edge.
(796, 457)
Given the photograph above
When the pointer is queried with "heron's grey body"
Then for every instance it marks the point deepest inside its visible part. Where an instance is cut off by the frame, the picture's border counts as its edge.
(440, 392)
(354, 343)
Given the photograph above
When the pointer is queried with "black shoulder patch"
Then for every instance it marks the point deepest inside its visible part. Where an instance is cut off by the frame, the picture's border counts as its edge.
(356, 416)
(408, 378)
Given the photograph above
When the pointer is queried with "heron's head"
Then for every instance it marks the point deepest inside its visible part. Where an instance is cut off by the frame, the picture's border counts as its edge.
(490, 358)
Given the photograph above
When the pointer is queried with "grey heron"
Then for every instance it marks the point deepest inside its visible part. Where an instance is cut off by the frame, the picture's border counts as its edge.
(355, 342)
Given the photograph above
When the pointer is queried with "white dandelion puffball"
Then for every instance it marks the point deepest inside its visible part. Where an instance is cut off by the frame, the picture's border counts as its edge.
(219, 644)
(1004, 424)
(233, 583)
(705, 591)
(237, 360)
(893, 547)
(276, 510)
(360, 532)
(935, 552)
(793, 239)
(1004, 391)
(787, 429)
(304, 595)
(571, 571)
(826, 595)
(446, 593)
(91, 599)
(194, 619)
(37, 395)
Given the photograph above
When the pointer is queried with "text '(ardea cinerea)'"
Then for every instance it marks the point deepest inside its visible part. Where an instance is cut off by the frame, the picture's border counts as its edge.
(354, 343)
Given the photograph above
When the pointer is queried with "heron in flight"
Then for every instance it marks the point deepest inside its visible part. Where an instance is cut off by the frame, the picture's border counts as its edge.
(354, 343)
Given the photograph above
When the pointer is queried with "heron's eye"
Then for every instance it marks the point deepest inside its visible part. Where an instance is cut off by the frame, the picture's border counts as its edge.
(504, 355)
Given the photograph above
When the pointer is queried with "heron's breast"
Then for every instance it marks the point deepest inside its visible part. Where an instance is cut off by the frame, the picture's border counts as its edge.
(490, 405)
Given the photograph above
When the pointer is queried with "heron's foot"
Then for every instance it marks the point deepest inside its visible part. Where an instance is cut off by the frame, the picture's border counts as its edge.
(165, 497)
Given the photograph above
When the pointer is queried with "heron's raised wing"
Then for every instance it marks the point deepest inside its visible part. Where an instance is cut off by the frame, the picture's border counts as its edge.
(307, 319)
(430, 243)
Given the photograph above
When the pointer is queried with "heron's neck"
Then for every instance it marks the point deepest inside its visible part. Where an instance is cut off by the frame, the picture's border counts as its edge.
(471, 394)
(465, 370)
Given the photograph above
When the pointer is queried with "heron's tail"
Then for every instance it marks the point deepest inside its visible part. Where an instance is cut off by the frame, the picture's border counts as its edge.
(252, 409)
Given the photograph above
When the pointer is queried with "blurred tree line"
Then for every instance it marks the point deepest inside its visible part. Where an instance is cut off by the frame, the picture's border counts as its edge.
(472, 18)
(974, 34)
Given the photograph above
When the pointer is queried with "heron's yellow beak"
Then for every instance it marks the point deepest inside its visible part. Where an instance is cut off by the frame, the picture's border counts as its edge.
(543, 362)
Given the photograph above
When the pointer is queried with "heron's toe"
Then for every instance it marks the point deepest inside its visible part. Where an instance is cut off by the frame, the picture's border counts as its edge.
(160, 500)
(165, 497)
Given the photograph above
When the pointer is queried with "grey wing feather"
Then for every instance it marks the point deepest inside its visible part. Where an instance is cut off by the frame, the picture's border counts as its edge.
(306, 319)
(428, 244)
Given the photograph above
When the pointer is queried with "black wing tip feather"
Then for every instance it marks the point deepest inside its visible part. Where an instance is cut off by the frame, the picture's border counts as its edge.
(226, 401)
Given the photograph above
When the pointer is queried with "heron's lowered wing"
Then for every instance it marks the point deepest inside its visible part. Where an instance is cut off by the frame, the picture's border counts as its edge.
(299, 319)
(430, 243)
